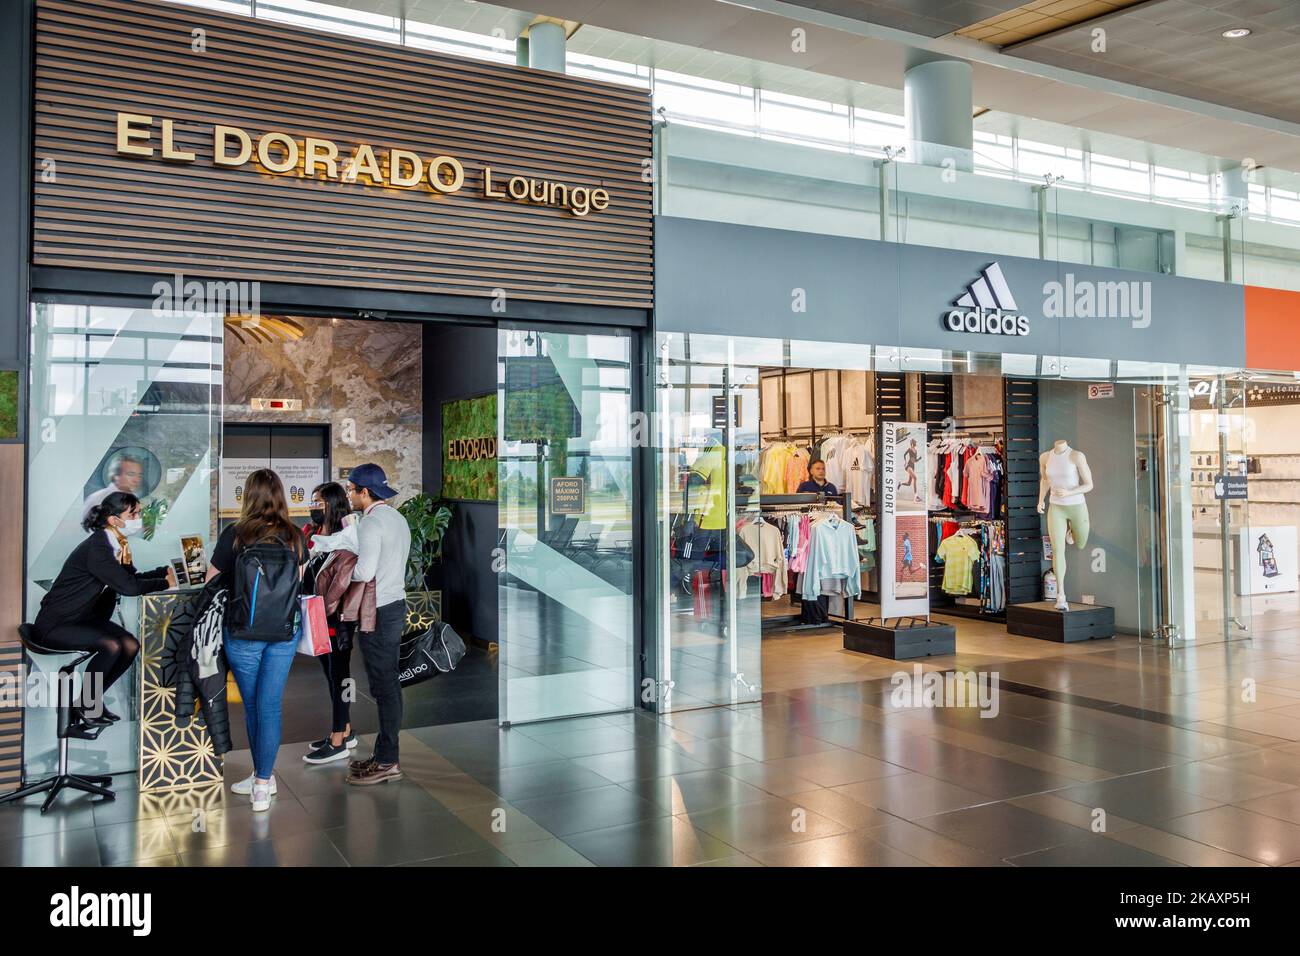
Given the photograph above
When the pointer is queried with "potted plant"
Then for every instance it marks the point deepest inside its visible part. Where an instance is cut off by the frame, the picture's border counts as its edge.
(428, 518)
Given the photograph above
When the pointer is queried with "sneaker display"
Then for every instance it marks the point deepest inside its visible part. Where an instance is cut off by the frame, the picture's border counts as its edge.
(245, 786)
(375, 773)
(326, 754)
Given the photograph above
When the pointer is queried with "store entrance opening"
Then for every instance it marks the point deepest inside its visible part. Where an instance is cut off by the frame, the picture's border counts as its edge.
(1013, 495)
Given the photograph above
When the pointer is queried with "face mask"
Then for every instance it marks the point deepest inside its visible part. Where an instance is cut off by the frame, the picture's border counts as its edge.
(132, 527)
(318, 517)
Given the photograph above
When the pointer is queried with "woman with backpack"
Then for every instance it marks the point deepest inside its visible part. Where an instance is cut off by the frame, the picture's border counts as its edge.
(329, 574)
(262, 555)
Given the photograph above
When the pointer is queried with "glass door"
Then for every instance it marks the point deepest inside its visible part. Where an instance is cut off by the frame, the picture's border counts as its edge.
(566, 557)
(710, 648)
(1208, 471)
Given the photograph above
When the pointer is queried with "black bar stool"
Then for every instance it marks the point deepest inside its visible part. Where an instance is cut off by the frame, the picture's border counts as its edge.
(63, 780)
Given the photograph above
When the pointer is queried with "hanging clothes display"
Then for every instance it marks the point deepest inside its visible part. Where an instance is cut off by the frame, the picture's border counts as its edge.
(850, 464)
(973, 557)
(768, 544)
(966, 476)
(833, 565)
(783, 466)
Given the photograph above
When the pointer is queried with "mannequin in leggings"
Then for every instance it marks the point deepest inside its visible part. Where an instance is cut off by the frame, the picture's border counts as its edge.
(1063, 471)
(76, 613)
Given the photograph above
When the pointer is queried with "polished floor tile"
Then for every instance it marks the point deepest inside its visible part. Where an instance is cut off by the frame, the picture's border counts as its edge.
(1095, 850)
(1137, 797)
(912, 795)
(845, 849)
(1252, 835)
(302, 849)
(772, 821)
(658, 841)
(695, 792)
(405, 840)
(1001, 829)
(834, 768)
(565, 814)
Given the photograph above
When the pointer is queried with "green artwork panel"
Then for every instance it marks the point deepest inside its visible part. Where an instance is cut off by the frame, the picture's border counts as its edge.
(469, 460)
(8, 404)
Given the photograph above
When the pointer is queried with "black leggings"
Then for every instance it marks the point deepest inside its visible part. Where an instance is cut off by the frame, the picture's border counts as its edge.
(337, 666)
(114, 646)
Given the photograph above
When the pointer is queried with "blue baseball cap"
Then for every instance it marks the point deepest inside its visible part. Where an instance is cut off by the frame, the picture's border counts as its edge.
(372, 478)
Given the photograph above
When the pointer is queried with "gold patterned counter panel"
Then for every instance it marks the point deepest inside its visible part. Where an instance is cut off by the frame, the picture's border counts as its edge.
(171, 757)
(174, 758)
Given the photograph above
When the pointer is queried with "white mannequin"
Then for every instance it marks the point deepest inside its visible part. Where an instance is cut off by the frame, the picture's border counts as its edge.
(1064, 472)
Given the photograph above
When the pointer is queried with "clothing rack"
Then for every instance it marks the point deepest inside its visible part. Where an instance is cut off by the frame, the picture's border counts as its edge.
(794, 504)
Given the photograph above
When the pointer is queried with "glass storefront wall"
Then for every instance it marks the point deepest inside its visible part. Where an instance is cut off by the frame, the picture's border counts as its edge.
(566, 573)
(126, 399)
(1137, 430)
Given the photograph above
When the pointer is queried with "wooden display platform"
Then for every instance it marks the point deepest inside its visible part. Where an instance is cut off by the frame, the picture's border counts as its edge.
(900, 643)
(1041, 619)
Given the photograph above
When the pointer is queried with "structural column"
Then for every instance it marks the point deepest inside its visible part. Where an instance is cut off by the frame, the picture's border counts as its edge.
(937, 107)
(546, 41)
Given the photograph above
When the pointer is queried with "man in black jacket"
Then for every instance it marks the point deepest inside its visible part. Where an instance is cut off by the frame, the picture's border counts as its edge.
(76, 613)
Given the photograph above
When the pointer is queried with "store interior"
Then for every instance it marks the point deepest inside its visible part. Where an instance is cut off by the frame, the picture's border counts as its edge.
(980, 546)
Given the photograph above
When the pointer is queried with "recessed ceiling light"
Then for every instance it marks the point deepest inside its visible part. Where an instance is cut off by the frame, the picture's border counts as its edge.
(1236, 33)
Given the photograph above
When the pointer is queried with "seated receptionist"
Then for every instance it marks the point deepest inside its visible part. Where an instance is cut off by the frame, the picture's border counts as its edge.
(76, 613)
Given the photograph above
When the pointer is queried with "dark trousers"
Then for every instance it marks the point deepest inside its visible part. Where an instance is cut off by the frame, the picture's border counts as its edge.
(379, 648)
(337, 666)
(114, 646)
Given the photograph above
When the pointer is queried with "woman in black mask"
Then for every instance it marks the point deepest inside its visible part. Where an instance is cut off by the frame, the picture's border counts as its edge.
(329, 508)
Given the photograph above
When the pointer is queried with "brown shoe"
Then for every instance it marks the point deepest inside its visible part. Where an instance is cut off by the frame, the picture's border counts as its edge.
(376, 773)
(356, 766)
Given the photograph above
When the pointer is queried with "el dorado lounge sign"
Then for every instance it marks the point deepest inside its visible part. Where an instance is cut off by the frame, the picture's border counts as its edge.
(312, 157)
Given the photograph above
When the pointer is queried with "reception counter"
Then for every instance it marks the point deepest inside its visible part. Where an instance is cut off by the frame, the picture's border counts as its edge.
(174, 758)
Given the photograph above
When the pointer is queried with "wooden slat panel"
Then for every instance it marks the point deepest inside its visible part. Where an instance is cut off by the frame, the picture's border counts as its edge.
(102, 210)
(12, 464)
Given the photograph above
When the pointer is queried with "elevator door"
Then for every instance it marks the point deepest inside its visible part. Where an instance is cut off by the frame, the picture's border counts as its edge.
(298, 453)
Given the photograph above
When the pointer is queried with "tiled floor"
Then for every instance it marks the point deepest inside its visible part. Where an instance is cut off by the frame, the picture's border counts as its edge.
(1111, 753)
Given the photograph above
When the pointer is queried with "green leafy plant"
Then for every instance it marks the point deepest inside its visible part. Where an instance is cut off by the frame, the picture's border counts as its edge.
(153, 514)
(428, 518)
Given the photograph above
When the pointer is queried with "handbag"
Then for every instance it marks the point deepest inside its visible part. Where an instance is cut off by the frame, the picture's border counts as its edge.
(314, 640)
(422, 654)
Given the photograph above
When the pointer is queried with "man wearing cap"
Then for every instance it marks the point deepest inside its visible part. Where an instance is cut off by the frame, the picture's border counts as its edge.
(384, 543)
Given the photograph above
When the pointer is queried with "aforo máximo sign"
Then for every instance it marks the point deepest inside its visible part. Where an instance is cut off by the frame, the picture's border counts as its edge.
(312, 157)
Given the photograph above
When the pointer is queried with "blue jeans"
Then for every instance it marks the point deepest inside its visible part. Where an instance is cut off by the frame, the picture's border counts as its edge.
(261, 669)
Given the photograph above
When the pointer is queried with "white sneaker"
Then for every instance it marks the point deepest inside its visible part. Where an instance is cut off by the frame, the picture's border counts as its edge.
(261, 797)
(245, 787)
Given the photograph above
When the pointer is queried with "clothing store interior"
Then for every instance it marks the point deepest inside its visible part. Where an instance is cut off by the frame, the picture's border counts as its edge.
(969, 533)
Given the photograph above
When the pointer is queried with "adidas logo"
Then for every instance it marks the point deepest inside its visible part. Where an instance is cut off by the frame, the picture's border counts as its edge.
(988, 307)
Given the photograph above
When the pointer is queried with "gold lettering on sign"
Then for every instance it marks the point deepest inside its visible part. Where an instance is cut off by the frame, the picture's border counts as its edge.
(221, 135)
(169, 150)
(437, 165)
(280, 152)
(471, 449)
(320, 152)
(286, 143)
(363, 161)
(398, 157)
(126, 132)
